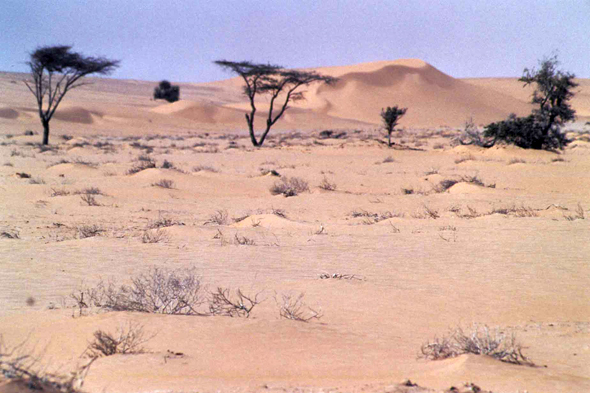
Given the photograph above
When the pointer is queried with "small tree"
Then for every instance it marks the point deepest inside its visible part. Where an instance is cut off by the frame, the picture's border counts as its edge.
(390, 117)
(273, 80)
(541, 129)
(55, 71)
(167, 91)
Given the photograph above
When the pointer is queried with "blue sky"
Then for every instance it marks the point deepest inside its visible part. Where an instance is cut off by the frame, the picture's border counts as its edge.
(178, 40)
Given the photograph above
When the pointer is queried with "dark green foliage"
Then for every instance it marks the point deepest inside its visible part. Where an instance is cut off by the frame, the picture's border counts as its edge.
(71, 66)
(542, 128)
(167, 91)
(390, 117)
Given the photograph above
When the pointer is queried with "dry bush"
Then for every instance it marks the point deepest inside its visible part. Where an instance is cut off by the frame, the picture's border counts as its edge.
(36, 180)
(340, 276)
(84, 231)
(160, 291)
(243, 240)
(481, 340)
(89, 191)
(154, 236)
(164, 183)
(516, 161)
(205, 168)
(126, 340)
(373, 218)
(144, 162)
(89, 200)
(388, 160)
(220, 217)
(239, 305)
(10, 234)
(168, 165)
(162, 222)
(444, 185)
(580, 215)
(55, 192)
(522, 211)
(289, 186)
(464, 159)
(292, 307)
(427, 213)
(327, 185)
(279, 213)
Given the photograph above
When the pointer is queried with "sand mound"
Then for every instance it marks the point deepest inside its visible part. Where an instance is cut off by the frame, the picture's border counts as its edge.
(76, 114)
(8, 113)
(467, 188)
(201, 112)
(433, 98)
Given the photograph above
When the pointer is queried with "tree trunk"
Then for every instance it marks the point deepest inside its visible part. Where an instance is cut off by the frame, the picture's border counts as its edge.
(250, 120)
(45, 132)
(389, 139)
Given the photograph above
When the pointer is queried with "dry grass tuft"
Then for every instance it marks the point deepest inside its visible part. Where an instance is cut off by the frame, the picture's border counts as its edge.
(327, 185)
(154, 236)
(292, 307)
(220, 217)
(90, 200)
(85, 231)
(164, 183)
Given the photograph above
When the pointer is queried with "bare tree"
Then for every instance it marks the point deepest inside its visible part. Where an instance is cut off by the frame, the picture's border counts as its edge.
(55, 71)
(275, 81)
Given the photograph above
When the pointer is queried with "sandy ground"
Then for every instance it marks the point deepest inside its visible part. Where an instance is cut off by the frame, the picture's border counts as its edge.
(510, 252)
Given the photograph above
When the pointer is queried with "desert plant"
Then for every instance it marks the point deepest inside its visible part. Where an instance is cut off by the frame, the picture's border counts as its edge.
(220, 217)
(144, 162)
(289, 186)
(275, 81)
(69, 67)
(206, 168)
(541, 129)
(243, 240)
(85, 231)
(327, 185)
(580, 215)
(10, 234)
(164, 183)
(36, 180)
(481, 340)
(126, 340)
(167, 91)
(89, 200)
(239, 305)
(55, 192)
(154, 236)
(390, 117)
(292, 307)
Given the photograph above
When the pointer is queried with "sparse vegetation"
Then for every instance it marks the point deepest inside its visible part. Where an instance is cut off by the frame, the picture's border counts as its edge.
(220, 217)
(239, 305)
(289, 186)
(157, 235)
(481, 340)
(327, 185)
(164, 183)
(90, 200)
(370, 218)
(144, 162)
(85, 231)
(127, 340)
(292, 307)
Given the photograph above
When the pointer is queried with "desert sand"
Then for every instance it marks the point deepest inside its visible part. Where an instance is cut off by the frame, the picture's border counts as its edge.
(509, 251)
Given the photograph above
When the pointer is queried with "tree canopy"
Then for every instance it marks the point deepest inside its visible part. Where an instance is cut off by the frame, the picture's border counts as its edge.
(274, 81)
(55, 71)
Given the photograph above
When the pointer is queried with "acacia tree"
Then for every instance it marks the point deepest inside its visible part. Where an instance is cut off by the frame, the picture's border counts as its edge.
(55, 71)
(390, 116)
(167, 91)
(275, 81)
(542, 128)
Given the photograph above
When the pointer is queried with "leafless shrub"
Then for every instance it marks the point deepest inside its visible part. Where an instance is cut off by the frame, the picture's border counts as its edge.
(162, 222)
(339, 276)
(89, 191)
(243, 240)
(444, 185)
(90, 200)
(279, 212)
(427, 213)
(159, 291)
(23, 175)
(220, 217)
(144, 162)
(473, 179)
(522, 211)
(154, 236)
(327, 185)
(85, 231)
(10, 234)
(481, 340)
(580, 215)
(292, 307)
(373, 218)
(164, 183)
(239, 305)
(90, 164)
(388, 159)
(516, 161)
(205, 168)
(471, 213)
(126, 340)
(289, 186)
(168, 165)
(471, 135)
(55, 192)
